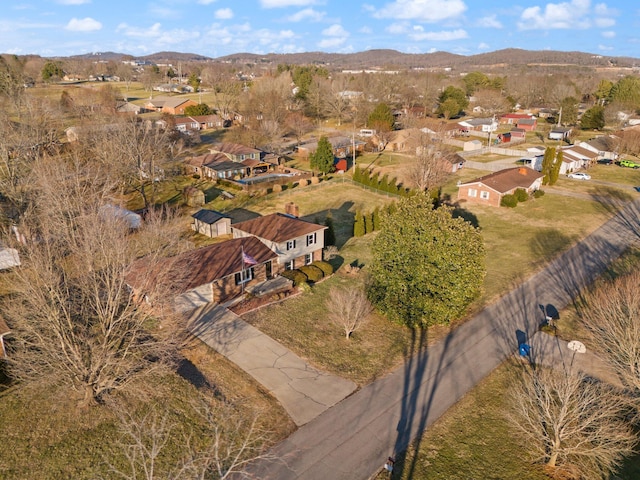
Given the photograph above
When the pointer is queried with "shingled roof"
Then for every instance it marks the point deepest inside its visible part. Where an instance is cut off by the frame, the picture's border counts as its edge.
(504, 181)
(203, 265)
(209, 216)
(278, 227)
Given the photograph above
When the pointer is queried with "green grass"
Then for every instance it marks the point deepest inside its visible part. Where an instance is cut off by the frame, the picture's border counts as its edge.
(472, 440)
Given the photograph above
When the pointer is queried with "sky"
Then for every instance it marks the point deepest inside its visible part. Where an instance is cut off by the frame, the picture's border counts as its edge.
(215, 28)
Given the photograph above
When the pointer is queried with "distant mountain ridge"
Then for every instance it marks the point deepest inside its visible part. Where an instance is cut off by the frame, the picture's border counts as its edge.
(385, 58)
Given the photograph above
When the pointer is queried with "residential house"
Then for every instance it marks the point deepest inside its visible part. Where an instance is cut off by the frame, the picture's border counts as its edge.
(172, 105)
(518, 133)
(255, 161)
(4, 330)
(213, 274)
(489, 189)
(527, 124)
(439, 128)
(606, 146)
(208, 122)
(408, 140)
(559, 133)
(187, 124)
(583, 156)
(480, 124)
(513, 118)
(214, 166)
(296, 242)
(342, 146)
(211, 223)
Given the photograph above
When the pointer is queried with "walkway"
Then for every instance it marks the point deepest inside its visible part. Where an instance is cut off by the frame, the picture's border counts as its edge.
(352, 440)
(303, 391)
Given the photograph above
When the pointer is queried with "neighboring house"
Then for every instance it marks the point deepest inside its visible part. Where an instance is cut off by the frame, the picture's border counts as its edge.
(513, 118)
(4, 330)
(215, 166)
(439, 128)
(559, 133)
(172, 105)
(490, 189)
(295, 241)
(587, 156)
(342, 147)
(210, 121)
(480, 124)
(408, 140)
(518, 133)
(128, 107)
(132, 219)
(527, 124)
(235, 151)
(606, 146)
(9, 258)
(187, 124)
(211, 223)
(213, 274)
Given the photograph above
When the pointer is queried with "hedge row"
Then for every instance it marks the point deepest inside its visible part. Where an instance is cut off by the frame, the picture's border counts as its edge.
(314, 272)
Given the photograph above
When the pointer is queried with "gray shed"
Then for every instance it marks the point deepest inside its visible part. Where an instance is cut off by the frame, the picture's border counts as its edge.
(211, 223)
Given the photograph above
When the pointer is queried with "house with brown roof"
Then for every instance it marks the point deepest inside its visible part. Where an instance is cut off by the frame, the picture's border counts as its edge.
(296, 242)
(512, 118)
(172, 105)
(490, 189)
(213, 274)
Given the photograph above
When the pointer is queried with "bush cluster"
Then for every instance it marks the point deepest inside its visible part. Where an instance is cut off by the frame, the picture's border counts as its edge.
(314, 272)
(538, 193)
(384, 184)
(509, 200)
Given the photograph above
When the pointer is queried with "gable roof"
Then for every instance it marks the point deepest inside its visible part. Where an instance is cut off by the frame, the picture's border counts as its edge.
(202, 265)
(173, 102)
(506, 180)
(581, 151)
(209, 216)
(278, 227)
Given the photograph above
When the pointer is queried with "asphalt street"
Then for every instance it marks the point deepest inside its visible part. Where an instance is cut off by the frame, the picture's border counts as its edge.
(353, 439)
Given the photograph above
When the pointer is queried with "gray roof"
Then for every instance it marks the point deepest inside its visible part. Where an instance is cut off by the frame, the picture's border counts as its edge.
(209, 216)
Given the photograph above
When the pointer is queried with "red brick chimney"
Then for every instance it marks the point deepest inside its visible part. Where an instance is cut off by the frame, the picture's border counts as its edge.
(292, 209)
(522, 170)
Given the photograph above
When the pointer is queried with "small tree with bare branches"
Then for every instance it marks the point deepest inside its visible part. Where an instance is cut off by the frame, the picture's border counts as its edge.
(574, 425)
(431, 167)
(612, 317)
(348, 308)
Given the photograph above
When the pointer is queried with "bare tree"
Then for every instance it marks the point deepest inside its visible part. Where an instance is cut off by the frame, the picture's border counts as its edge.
(432, 165)
(74, 319)
(298, 124)
(229, 441)
(574, 425)
(612, 317)
(348, 308)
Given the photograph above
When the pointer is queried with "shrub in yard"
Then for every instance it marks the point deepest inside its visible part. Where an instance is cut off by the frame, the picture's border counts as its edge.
(315, 180)
(312, 272)
(276, 188)
(538, 193)
(326, 267)
(509, 201)
(296, 276)
(521, 195)
(302, 183)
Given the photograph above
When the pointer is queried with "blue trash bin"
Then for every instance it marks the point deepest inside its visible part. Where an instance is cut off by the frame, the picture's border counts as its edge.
(524, 349)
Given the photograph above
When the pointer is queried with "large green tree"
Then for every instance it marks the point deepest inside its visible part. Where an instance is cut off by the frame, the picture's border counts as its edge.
(381, 118)
(322, 158)
(200, 109)
(51, 71)
(593, 119)
(427, 264)
(450, 97)
(626, 92)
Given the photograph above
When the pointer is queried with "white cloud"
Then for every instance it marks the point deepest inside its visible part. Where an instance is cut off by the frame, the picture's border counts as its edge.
(223, 14)
(83, 25)
(605, 22)
(609, 34)
(489, 22)
(483, 46)
(422, 10)
(308, 14)
(601, 9)
(286, 3)
(73, 2)
(335, 30)
(565, 15)
(206, 2)
(443, 36)
(332, 42)
(365, 30)
(398, 28)
(161, 38)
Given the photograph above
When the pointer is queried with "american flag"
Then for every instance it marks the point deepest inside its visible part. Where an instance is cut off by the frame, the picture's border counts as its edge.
(248, 259)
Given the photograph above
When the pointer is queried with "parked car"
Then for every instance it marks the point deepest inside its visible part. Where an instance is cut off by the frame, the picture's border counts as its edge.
(629, 164)
(579, 176)
(605, 161)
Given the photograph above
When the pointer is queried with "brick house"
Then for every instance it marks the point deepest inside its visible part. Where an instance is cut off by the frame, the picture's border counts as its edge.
(216, 273)
(296, 242)
(172, 105)
(527, 124)
(490, 189)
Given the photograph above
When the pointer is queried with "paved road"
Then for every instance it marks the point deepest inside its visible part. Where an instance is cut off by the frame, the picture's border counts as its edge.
(352, 439)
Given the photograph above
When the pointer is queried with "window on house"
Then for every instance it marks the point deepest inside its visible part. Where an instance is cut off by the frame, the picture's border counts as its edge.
(289, 265)
(244, 276)
(473, 192)
(484, 195)
(291, 244)
(311, 239)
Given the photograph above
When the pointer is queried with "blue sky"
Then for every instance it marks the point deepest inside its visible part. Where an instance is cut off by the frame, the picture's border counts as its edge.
(216, 28)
